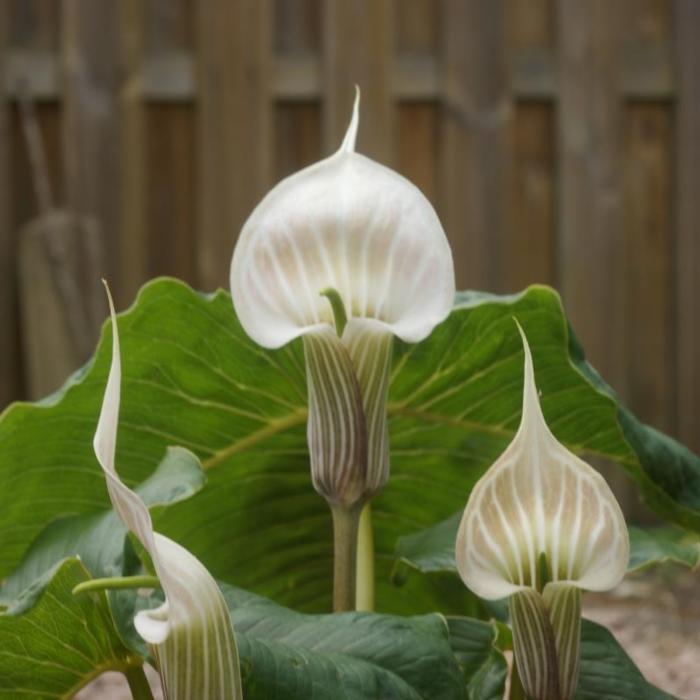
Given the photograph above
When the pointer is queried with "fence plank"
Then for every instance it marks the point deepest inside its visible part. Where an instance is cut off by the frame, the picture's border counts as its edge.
(590, 216)
(475, 144)
(91, 129)
(648, 271)
(358, 46)
(170, 209)
(134, 185)
(234, 126)
(9, 347)
(530, 255)
(687, 21)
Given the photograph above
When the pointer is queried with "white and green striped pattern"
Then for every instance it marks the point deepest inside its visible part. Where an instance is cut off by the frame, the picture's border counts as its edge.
(336, 431)
(563, 604)
(539, 498)
(349, 224)
(370, 347)
(191, 632)
(534, 646)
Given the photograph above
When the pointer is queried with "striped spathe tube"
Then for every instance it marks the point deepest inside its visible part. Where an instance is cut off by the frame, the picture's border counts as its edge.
(346, 254)
(190, 633)
(539, 527)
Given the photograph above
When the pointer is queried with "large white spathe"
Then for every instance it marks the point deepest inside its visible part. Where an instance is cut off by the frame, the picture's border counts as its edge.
(540, 498)
(351, 224)
(191, 632)
(540, 527)
(353, 227)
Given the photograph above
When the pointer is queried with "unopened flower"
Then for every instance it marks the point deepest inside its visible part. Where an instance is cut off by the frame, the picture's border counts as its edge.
(191, 631)
(346, 254)
(540, 526)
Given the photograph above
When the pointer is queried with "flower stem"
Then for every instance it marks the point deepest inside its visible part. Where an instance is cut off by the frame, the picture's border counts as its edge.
(517, 691)
(103, 584)
(138, 683)
(365, 562)
(345, 526)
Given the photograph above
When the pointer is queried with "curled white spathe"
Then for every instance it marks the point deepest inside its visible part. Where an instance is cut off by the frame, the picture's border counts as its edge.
(350, 224)
(540, 498)
(191, 631)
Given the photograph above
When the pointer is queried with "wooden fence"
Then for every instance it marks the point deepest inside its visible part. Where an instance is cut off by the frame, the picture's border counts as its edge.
(558, 139)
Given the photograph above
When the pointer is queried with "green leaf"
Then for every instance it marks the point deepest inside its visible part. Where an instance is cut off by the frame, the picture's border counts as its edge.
(660, 545)
(52, 642)
(296, 656)
(99, 538)
(607, 673)
(361, 655)
(193, 378)
(476, 645)
(433, 549)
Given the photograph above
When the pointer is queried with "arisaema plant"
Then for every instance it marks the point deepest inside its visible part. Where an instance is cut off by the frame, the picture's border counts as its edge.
(345, 348)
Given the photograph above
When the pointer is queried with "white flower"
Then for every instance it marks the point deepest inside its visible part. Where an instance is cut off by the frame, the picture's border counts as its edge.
(352, 233)
(191, 632)
(540, 526)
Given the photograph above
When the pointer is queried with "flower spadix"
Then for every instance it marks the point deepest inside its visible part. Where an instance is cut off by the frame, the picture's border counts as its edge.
(190, 633)
(540, 526)
(347, 254)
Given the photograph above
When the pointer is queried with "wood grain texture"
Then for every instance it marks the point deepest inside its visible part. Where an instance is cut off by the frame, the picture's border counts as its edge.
(10, 384)
(297, 136)
(529, 253)
(357, 50)
(418, 137)
(133, 233)
(589, 161)
(546, 132)
(170, 208)
(687, 21)
(648, 264)
(475, 155)
(91, 125)
(234, 126)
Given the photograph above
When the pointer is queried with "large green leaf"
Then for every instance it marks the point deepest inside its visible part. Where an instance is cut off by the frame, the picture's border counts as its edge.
(477, 648)
(290, 655)
(98, 538)
(607, 673)
(52, 642)
(660, 545)
(192, 378)
(432, 550)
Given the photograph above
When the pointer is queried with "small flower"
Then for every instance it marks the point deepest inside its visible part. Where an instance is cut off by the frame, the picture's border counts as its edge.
(346, 254)
(191, 632)
(540, 526)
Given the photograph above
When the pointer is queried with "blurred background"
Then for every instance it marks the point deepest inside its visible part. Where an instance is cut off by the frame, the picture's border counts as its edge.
(559, 141)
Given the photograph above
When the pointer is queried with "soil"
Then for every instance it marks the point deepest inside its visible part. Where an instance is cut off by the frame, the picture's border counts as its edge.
(654, 615)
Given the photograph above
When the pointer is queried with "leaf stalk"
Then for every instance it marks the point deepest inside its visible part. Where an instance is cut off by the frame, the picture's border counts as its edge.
(346, 523)
(116, 583)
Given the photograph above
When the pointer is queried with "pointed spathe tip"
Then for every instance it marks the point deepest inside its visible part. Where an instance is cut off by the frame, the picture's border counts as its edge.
(348, 145)
(112, 312)
(530, 396)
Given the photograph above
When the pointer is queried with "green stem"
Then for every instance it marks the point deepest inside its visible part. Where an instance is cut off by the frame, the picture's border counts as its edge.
(138, 683)
(103, 584)
(365, 562)
(517, 692)
(345, 526)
